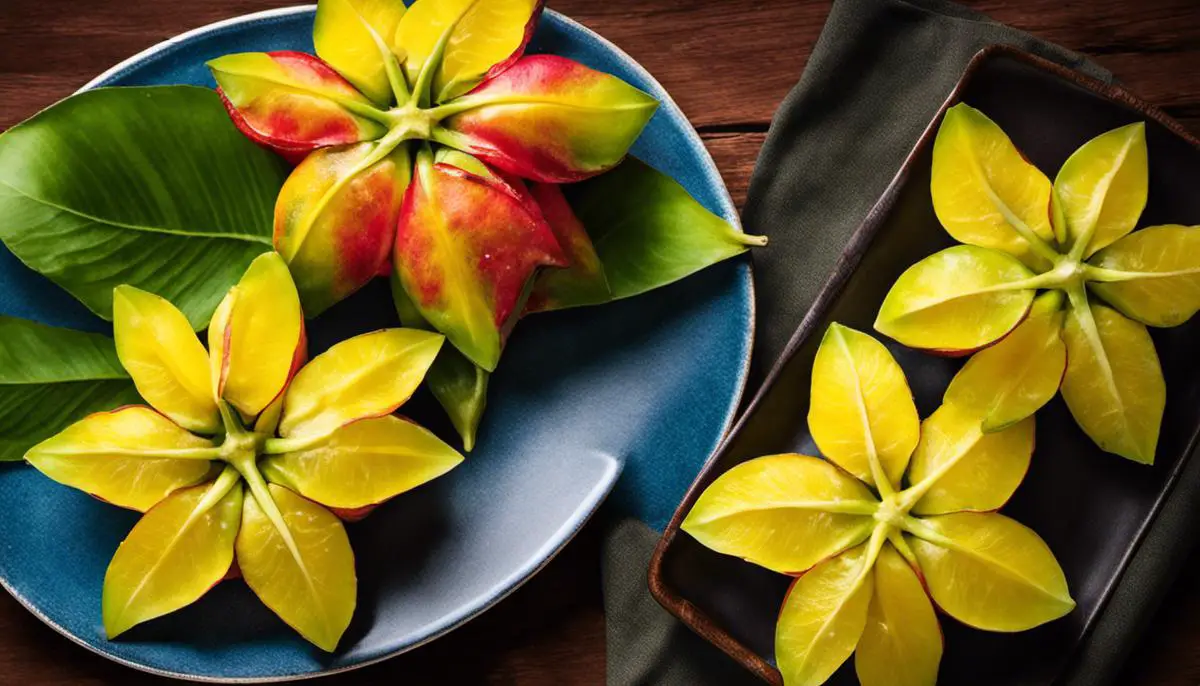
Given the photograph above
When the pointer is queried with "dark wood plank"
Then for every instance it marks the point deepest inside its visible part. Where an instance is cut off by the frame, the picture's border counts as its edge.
(728, 63)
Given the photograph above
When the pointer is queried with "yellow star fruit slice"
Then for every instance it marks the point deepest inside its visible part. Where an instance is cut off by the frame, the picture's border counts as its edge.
(169, 365)
(1101, 189)
(366, 376)
(984, 191)
(256, 338)
(179, 550)
(902, 642)
(991, 572)
(364, 463)
(1156, 272)
(1114, 385)
(132, 457)
(823, 617)
(782, 512)
(299, 564)
(862, 408)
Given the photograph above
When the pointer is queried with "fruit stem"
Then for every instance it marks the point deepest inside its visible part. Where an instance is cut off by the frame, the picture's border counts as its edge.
(922, 530)
(279, 446)
(911, 495)
(1103, 275)
(220, 488)
(392, 67)
(897, 540)
(420, 94)
(233, 424)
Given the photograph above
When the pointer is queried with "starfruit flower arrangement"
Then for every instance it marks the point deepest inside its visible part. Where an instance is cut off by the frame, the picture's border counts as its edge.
(413, 130)
(898, 516)
(1074, 239)
(246, 457)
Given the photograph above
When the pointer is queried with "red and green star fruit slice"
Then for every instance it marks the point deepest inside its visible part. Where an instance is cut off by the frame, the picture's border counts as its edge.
(292, 102)
(581, 283)
(550, 119)
(295, 556)
(1151, 275)
(466, 250)
(366, 376)
(364, 463)
(354, 37)
(782, 512)
(1114, 385)
(181, 548)
(459, 385)
(972, 470)
(256, 340)
(957, 301)
(985, 192)
(862, 410)
(1101, 190)
(132, 457)
(168, 364)
(1014, 378)
(823, 617)
(479, 39)
(902, 642)
(991, 572)
(335, 220)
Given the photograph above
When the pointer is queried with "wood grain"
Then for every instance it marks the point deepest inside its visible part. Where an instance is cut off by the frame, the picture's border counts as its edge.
(728, 63)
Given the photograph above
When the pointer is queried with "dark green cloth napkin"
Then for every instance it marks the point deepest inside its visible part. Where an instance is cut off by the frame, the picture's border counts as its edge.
(877, 75)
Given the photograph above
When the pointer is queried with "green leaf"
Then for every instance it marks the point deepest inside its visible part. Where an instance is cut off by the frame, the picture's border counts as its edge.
(295, 556)
(1152, 275)
(152, 187)
(1114, 385)
(179, 550)
(459, 385)
(51, 377)
(649, 232)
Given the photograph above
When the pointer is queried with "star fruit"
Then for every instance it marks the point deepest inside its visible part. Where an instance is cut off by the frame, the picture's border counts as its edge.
(246, 456)
(900, 511)
(371, 119)
(1075, 239)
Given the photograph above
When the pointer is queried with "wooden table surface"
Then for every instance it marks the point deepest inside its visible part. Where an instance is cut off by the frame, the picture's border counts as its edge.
(728, 63)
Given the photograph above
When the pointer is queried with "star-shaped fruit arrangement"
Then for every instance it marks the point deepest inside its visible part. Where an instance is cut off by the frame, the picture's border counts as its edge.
(1075, 239)
(413, 129)
(246, 456)
(899, 511)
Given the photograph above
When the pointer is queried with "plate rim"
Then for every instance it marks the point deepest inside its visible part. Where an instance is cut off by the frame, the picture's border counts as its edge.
(728, 211)
(847, 264)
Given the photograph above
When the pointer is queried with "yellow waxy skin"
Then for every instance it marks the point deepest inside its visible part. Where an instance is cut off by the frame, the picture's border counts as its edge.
(1160, 268)
(1101, 189)
(782, 512)
(823, 617)
(303, 571)
(179, 550)
(1014, 378)
(330, 436)
(483, 36)
(964, 299)
(168, 364)
(958, 300)
(991, 572)
(866, 407)
(257, 336)
(984, 192)
(364, 463)
(901, 644)
(346, 34)
(366, 376)
(1114, 385)
(865, 549)
(128, 457)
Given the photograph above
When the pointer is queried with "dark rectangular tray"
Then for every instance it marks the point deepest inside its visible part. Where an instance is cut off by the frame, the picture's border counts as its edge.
(1093, 509)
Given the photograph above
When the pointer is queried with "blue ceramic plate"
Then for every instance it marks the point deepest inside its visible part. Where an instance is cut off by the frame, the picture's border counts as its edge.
(643, 389)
